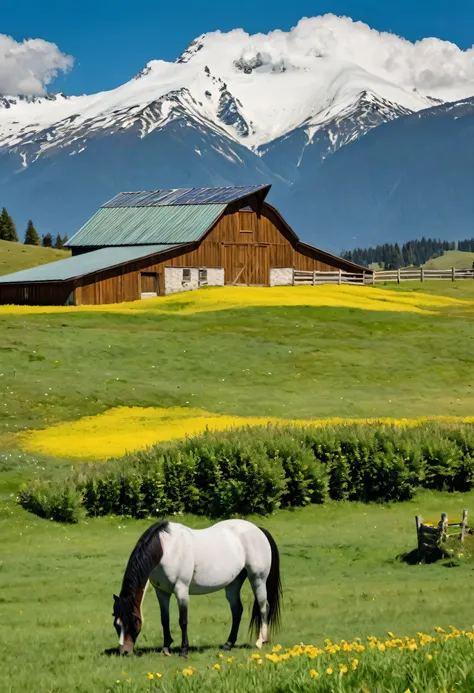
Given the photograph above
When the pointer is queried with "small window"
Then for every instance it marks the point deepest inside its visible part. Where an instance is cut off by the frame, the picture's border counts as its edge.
(186, 275)
(202, 277)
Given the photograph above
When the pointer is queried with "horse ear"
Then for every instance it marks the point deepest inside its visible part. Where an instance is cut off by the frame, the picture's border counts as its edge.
(116, 599)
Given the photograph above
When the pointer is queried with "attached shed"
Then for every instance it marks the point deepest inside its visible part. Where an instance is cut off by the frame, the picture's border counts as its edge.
(145, 244)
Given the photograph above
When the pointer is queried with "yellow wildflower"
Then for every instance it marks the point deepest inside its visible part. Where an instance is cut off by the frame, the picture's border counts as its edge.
(150, 676)
(217, 667)
(259, 661)
(117, 681)
(230, 659)
(255, 656)
(438, 629)
(343, 669)
(188, 671)
(354, 664)
(429, 656)
(329, 670)
(220, 655)
(129, 680)
(390, 634)
(381, 647)
(313, 674)
(276, 649)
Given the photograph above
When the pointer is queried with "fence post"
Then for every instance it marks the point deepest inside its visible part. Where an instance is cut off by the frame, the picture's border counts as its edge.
(398, 275)
(373, 278)
(314, 277)
(422, 274)
(463, 524)
(339, 279)
(453, 273)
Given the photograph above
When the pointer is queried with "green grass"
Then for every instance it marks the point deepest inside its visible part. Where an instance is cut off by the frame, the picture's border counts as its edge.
(340, 573)
(339, 563)
(16, 256)
(451, 258)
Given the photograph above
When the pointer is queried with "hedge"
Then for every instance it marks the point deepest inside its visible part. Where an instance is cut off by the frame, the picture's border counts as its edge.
(259, 470)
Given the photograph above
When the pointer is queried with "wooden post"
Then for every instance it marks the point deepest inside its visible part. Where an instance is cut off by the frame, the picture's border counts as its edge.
(373, 278)
(293, 277)
(443, 526)
(418, 534)
(453, 273)
(422, 274)
(363, 278)
(398, 276)
(463, 524)
(314, 277)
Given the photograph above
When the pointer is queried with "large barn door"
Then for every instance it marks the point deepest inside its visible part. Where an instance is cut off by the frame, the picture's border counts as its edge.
(246, 264)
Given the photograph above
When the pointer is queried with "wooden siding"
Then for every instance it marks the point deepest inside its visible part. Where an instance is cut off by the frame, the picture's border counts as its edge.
(40, 294)
(245, 245)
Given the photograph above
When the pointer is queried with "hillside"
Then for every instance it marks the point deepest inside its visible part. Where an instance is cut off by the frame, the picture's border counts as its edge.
(16, 256)
(451, 258)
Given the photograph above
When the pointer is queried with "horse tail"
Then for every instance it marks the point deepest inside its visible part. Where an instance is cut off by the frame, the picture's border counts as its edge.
(274, 591)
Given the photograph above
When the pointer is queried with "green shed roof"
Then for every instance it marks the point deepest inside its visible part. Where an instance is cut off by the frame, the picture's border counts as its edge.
(83, 264)
(114, 226)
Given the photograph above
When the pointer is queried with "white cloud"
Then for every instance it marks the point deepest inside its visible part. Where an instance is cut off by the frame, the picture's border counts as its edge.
(27, 67)
(428, 64)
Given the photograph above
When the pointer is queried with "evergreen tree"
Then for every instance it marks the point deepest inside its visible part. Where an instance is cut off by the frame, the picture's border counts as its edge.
(47, 241)
(31, 236)
(7, 227)
(58, 243)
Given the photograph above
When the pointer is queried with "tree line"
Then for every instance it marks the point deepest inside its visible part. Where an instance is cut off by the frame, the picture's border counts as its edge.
(8, 233)
(410, 254)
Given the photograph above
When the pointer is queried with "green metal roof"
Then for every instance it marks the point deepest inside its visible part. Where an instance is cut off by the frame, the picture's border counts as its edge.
(114, 226)
(83, 264)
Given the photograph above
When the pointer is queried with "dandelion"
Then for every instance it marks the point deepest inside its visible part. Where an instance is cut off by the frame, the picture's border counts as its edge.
(220, 655)
(390, 634)
(150, 676)
(158, 675)
(255, 656)
(313, 674)
(276, 649)
(354, 664)
(117, 681)
(259, 661)
(230, 659)
(343, 669)
(329, 670)
(217, 667)
(429, 657)
(189, 671)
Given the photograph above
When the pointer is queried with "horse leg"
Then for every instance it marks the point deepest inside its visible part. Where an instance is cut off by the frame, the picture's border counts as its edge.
(259, 588)
(164, 602)
(182, 595)
(232, 592)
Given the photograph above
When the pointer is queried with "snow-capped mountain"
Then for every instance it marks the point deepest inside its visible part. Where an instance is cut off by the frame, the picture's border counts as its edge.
(232, 108)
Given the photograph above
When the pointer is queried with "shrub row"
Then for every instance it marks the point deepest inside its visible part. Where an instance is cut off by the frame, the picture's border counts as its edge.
(258, 470)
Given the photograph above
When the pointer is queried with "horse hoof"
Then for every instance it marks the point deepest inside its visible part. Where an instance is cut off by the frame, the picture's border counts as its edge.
(183, 655)
(165, 651)
(227, 647)
(259, 644)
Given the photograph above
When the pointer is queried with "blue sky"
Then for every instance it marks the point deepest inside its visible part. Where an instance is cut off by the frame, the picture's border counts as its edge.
(111, 41)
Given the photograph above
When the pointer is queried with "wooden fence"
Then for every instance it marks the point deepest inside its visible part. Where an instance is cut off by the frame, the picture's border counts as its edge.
(303, 277)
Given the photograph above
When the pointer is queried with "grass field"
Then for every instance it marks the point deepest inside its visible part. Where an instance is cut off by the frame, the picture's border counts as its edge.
(17, 256)
(400, 352)
(451, 258)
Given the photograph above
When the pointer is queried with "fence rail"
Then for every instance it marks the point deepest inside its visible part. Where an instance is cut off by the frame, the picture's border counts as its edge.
(309, 277)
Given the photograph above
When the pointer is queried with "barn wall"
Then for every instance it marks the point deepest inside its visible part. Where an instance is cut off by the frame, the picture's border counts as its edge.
(40, 294)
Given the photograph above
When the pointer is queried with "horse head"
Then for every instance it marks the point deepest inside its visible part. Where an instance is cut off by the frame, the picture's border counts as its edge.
(127, 623)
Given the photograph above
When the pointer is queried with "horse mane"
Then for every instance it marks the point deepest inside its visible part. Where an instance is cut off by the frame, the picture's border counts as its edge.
(146, 555)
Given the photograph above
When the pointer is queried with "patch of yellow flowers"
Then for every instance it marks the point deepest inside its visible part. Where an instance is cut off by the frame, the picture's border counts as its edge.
(350, 664)
(125, 429)
(229, 298)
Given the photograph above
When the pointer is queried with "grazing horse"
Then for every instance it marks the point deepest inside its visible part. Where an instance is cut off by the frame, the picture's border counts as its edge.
(182, 561)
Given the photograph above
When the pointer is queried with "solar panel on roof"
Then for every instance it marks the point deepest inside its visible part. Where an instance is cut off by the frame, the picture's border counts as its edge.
(184, 196)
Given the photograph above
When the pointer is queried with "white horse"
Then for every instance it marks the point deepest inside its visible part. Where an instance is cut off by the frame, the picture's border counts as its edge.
(182, 561)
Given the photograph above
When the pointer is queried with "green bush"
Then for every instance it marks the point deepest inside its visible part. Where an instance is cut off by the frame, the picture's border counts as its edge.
(258, 470)
(53, 502)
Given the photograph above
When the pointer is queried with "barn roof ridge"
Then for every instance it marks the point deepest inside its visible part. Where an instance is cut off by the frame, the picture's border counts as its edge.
(167, 197)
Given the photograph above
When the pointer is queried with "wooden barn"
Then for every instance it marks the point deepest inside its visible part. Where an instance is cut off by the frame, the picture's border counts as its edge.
(145, 244)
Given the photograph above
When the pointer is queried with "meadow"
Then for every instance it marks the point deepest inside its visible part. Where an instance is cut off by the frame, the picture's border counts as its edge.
(398, 352)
